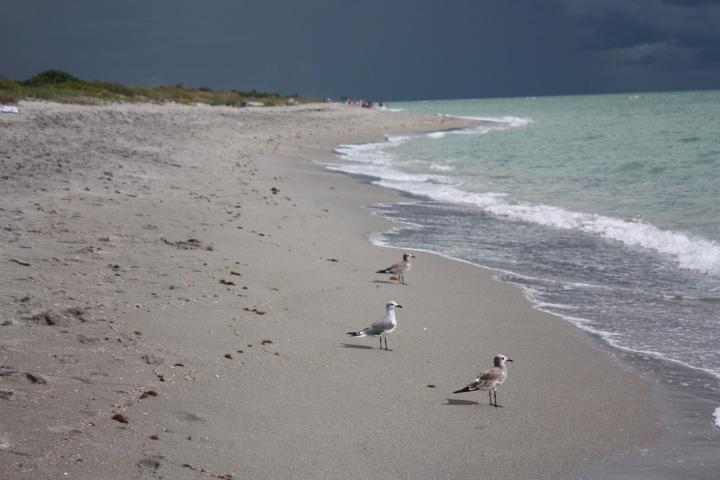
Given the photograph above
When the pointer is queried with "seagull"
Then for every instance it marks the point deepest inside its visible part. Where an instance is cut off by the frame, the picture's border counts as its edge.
(400, 268)
(383, 327)
(490, 379)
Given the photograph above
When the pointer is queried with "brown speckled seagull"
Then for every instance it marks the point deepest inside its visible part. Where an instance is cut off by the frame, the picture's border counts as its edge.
(490, 379)
(400, 269)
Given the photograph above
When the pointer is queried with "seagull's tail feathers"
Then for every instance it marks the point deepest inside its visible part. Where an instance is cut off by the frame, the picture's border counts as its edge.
(356, 334)
(385, 270)
(463, 390)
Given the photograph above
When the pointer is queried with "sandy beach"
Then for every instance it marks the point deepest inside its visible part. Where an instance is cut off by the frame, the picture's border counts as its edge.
(177, 286)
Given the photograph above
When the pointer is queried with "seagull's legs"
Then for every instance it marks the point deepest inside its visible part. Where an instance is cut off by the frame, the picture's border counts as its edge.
(380, 338)
(496, 404)
(490, 395)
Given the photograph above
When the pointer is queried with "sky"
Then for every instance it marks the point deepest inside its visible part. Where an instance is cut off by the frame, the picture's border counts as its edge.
(375, 49)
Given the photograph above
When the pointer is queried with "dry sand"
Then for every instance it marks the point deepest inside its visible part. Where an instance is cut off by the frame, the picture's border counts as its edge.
(192, 271)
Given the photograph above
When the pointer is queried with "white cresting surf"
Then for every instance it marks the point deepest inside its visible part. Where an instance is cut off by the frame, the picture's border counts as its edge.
(377, 160)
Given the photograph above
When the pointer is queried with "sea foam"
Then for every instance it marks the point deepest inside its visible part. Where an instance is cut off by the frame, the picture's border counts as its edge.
(691, 253)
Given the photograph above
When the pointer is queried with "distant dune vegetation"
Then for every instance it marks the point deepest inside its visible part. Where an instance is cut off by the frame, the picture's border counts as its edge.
(59, 86)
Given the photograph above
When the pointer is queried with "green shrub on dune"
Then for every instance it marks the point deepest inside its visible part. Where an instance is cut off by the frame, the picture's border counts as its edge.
(60, 86)
(49, 77)
(9, 91)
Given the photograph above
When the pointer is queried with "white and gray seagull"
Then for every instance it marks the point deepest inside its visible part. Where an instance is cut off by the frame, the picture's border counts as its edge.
(383, 327)
(400, 268)
(490, 379)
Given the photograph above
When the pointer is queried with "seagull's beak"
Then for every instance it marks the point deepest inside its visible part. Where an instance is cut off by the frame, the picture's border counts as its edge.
(510, 360)
(398, 306)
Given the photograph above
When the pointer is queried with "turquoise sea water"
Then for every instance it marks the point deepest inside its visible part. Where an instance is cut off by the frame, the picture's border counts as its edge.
(605, 209)
(653, 158)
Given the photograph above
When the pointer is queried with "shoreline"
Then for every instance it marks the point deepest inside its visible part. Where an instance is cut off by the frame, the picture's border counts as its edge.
(689, 437)
(688, 403)
(599, 336)
(183, 273)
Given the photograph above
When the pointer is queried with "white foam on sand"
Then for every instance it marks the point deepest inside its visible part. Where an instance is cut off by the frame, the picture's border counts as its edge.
(716, 414)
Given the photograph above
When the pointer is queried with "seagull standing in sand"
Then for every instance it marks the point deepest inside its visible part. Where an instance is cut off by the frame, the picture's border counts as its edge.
(401, 268)
(490, 379)
(383, 327)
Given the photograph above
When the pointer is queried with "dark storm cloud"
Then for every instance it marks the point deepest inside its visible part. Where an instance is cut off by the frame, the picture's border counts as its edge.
(665, 17)
(373, 48)
(692, 3)
(378, 48)
(667, 35)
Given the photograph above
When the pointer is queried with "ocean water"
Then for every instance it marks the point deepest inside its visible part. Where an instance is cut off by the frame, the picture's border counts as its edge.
(605, 209)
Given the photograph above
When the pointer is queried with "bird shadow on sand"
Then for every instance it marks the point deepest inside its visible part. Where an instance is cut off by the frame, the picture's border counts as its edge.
(455, 402)
(387, 282)
(352, 345)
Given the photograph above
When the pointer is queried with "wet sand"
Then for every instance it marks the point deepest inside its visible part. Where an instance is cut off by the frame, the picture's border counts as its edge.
(177, 284)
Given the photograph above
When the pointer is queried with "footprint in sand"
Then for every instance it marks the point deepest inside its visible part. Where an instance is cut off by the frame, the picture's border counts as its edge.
(190, 417)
